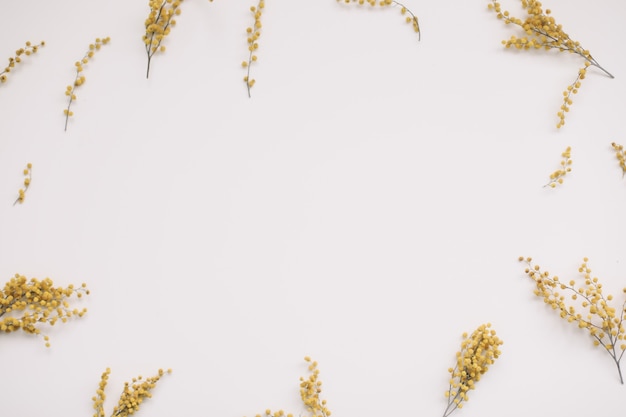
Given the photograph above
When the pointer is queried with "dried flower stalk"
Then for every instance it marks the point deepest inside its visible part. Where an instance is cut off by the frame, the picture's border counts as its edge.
(254, 33)
(24, 304)
(310, 389)
(542, 32)
(621, 156)
(604, 323)
(409, 16)
(79, 79)
(478, 351)
(158, 25)
(566, 166)
(132, 395)
(27, 50)
(28, 174)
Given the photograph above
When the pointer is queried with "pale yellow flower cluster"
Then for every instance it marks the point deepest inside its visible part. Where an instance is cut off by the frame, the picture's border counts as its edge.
(158, 25)
(24, 304)
(132, 396)
(27, 50)
(70, 90)
(28, 174)
(566, 166)
(567, 94)
(270, 413)
(254, 33)
(478, 352)
(542, 32)
(621, 156)
(409, 16)
(310, 389)
(100, 397)
(604, 323)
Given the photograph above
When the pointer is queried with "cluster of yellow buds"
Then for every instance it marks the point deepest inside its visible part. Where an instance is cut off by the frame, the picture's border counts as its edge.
(409, 16)
(132, 396)
(542, 32)
(310, 389)
(478, 351)
(158, 25)
(28, 174)
(254, 33)
(566, 166)
(27, 50)
(80, 78)
(567, 94)
(604, 323)
(270, 413)
(26, 303)
(621, 156)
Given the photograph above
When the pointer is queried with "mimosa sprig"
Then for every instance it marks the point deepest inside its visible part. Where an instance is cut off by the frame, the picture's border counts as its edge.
(27, 50)
(28, 174)
(158, 25)
(25, 304)
(603, 322)
(254, 33)
(478, 352)
(132, 396)
(540, 31)
(79, 79)
(310, 389)
(409, 16)
(621, 156)
(566, 167)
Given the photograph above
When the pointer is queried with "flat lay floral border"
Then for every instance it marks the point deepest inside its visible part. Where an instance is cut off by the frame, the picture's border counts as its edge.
(161, 19)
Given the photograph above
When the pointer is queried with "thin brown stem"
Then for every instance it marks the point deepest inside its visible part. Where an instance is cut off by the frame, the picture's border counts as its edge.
(413, 18)
(148, 70)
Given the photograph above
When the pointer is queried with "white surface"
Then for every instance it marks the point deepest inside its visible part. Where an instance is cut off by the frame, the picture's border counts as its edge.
(366, 206)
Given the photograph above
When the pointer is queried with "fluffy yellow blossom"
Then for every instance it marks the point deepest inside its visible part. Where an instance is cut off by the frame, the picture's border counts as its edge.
(478, 351)
(540, 31)
(27, 50)
(409, 16)
(566, 166)
(28, 171)
(132, 396)
(79, 79)
(25, 304)
(159, 23)
(568, 92)
(621, 156)
(253, 34)
(589, 308)
(310, 390)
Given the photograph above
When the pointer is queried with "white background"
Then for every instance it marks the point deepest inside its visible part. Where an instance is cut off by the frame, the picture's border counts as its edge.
(365, 207)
